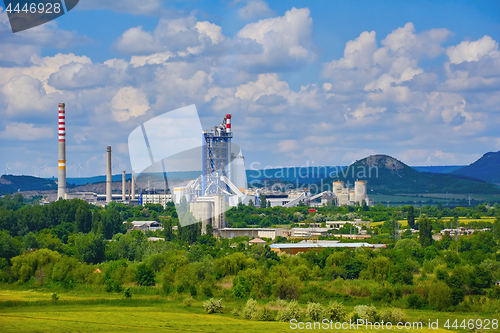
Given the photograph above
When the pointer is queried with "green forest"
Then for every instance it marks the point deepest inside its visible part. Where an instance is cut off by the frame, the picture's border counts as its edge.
(72, 245)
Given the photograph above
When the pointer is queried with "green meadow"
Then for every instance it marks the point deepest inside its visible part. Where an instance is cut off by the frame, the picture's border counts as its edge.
(35, 311)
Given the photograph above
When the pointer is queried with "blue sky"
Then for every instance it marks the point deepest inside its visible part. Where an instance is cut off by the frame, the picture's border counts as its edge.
(307, 82)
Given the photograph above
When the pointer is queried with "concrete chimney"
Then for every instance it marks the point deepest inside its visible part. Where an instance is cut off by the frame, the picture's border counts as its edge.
(133, 185)
(108, 176)
(61, 181)
(124, 182)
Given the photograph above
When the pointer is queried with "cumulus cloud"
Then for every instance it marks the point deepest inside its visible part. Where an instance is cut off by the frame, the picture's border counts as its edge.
(184, 36)
(25, 132)
(286, 40)
(471, 51)
(127, 103)
(255, 9)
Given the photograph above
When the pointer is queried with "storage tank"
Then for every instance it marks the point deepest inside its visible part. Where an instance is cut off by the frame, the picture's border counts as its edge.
(360, 189)
(238, 173)
(337, 187)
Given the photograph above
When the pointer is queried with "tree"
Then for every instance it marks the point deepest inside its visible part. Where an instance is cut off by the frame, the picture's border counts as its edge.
(263, 201)
(411, 217)
(210, 229)
(145, 275)
(167, 227)
(88, 247)
(425, 227)
(83, 219)
(251, 204)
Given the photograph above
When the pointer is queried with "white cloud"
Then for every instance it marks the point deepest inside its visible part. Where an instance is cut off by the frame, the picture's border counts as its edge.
(25, 132)
(285, 40)
(471, 51)
(127, 103)
(255, 9)
(182, 36)
(363, 111)
(288, 145)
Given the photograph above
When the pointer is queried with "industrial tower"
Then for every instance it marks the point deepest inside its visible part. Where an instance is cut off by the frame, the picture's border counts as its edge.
(216, 158)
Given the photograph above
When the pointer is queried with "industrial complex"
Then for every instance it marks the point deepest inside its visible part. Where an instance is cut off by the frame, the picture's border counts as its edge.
(222, 184)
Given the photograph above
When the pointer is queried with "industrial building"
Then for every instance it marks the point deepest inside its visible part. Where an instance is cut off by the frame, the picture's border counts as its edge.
(294, 248)
(350, 196)
(271, 233)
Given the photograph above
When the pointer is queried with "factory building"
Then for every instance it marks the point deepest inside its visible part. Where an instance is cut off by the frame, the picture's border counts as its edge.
(350, 196)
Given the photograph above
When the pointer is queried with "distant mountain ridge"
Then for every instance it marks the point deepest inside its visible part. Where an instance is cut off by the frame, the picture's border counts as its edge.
(486, 168)
(388, 175)
(12, 184)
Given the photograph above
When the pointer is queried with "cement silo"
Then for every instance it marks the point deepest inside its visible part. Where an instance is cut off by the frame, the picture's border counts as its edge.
(238, 173)
(360, 191)
(337, 187)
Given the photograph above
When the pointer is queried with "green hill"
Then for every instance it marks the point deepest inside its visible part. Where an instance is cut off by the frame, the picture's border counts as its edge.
(387, 175)
(12, 184)
(486, 168)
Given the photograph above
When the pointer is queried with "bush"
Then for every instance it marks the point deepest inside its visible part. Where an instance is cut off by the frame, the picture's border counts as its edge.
(336, 312)
(250, 310)
(416, 301)
(314, 311)
(440, 295)
(207, 289)
(235, 312)
(393, 316)
(213, 305)
(145, 275)
(264, 314)
(366, 312)
(188, 301)
(193, 291)
(292, 311)
(128, 293)
(55, 297)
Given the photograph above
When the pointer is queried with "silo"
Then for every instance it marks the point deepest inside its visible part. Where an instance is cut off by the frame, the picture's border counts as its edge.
(238, 173)
(337, 187)
(360, 189)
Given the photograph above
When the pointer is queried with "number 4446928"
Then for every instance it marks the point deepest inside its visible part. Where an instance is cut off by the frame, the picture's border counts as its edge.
(484, 324)
(41, 7)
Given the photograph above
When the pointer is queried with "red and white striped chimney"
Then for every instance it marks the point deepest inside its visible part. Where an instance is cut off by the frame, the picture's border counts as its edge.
(228, 123)
(61, 182)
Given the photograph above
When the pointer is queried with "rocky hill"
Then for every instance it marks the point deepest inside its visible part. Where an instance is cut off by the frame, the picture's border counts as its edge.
(388, 175)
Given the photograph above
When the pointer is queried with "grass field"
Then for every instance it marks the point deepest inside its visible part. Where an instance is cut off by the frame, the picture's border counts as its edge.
(35, 312)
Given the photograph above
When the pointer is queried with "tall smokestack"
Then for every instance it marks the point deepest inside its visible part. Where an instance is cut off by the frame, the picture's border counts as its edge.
(108, 176)
(61, 182)
(124, 181)
(133, 185)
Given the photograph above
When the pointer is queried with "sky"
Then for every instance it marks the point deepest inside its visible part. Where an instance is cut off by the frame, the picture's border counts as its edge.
(306, 82)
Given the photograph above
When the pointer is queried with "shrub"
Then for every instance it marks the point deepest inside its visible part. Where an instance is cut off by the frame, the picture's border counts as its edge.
(250, 310)
(127, 293)
(336, 312)
(207, 289)
(314, 311)
(366, 312)
(264, 314)
(416, 301)
(292, 311)
(213, 305)
(145, 275)
(235, 312)
(393, 316)
(440, 295)
(188, 301)
(193, 290)
(55, 297)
